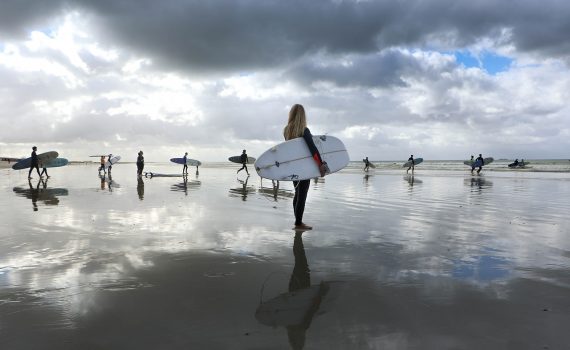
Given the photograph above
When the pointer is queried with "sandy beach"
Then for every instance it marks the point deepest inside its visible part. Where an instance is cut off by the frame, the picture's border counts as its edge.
(438, 260)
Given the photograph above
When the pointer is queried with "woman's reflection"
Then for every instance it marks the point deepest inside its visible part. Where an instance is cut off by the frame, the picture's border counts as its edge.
(295, 309)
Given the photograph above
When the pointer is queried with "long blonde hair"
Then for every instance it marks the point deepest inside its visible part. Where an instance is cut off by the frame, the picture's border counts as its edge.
(296, 124)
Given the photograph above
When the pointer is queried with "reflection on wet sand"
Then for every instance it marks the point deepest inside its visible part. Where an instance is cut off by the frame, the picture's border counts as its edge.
(140, 187)
(478, 182)
(185, 185)
(243, 190)
(449, 269)
(41, 193)
(296, 308)
(107, 182)
(275, 192)
(412, 180)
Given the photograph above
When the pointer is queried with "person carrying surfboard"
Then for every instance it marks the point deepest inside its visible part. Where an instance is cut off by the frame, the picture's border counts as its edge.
(35, 163)
(44, 170)
(140, 163)
(366, 164)
(480, 161)
(110, 164)
(102, 167)
(411, 159)
(185, 167)
(243, 159)
(297, 127)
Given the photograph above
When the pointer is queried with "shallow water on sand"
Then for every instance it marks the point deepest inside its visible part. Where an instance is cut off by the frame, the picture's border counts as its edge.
(434, 261)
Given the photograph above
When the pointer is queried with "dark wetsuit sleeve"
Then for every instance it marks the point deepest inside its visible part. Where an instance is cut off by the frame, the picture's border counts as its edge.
(312, 148)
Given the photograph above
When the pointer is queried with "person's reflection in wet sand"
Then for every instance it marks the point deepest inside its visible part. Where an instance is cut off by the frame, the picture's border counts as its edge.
(275, 188)
(140, 187)
(184, 185)
(110, 184)
(34, 193)
(244, 190)
(301, 279)
(296, 308)
(365, 180)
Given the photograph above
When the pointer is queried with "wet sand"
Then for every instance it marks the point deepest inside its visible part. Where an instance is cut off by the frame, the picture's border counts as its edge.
(437, 261)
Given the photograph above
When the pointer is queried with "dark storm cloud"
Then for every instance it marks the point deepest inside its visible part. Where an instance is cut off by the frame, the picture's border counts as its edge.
(246, 34)
(385, 69)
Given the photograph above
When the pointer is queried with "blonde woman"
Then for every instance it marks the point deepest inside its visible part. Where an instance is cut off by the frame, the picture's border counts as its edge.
(297, 127)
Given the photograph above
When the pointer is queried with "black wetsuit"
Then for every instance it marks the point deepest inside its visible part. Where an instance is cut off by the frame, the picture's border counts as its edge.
(140, 164)
(412, 165)
(302, 187)
(243, 159)
(366, 164)
(35, 164)
(480, 165)
(185, 168)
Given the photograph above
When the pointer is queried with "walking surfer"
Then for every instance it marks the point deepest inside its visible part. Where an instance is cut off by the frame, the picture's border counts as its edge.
(44, 170)
(366, 164)
(479, 162)
(102, 167)
(185, 167)
(109, 160)
(412, 165)
(35, 163)
(243, 159)
(297, 127)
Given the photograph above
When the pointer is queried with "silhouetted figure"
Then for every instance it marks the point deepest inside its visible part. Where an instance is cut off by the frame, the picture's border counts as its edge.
(140, 163)
(412, 165)
(140, 187)
(243, 159)
(366, 164)
(35, 163)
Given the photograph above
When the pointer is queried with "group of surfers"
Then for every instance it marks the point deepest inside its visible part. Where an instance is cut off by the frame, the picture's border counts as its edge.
(475, 163)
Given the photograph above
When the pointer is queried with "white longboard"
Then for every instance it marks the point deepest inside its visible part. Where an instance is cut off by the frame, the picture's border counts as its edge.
(114, 160)
(292, 160)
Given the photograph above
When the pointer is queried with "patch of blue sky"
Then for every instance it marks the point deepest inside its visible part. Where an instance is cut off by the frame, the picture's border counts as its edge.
(490, 62)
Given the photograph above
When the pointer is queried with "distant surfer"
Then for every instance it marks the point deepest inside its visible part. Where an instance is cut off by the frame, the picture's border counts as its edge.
(109, 160)
(478, 162)
(35, 163)
(140, 163)
(411, 159)
(297, 127)
(185, 168)
(102, 167)
(243, 160)
(366, 164)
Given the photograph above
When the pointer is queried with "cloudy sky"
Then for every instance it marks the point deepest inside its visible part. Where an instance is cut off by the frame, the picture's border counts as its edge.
(441, 79)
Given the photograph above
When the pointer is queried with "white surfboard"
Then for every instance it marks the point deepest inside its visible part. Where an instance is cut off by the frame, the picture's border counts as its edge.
(112, 161)
(292, 160)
